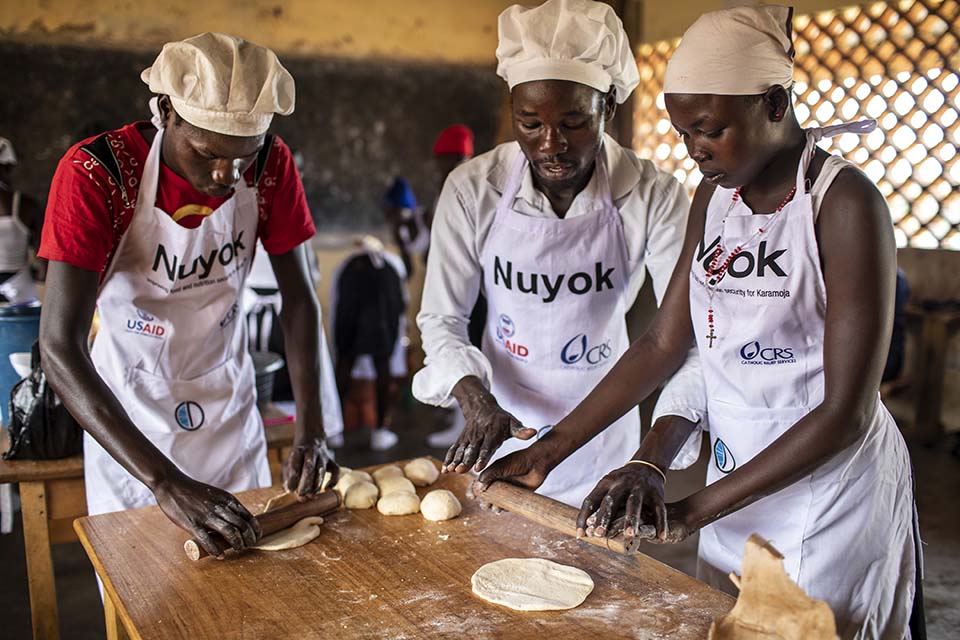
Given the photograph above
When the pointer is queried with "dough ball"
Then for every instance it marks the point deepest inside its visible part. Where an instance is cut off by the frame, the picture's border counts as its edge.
(398, 503)
(384, 472)
(421, 472)
(363, 474)
(532, 584)
(350, 478)
(440, 505)
(361, 495)
(393, 484)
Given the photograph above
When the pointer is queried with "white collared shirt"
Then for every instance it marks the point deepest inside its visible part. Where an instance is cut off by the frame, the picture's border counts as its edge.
(654, 208)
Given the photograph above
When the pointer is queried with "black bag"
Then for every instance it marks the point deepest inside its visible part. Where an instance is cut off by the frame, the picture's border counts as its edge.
(40, 426)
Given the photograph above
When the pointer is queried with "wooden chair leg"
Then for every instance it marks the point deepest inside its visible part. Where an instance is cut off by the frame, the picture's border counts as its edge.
(36, 535)
(115, 628)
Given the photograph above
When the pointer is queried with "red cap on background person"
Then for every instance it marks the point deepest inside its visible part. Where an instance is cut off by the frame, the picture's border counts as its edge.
(456, 140)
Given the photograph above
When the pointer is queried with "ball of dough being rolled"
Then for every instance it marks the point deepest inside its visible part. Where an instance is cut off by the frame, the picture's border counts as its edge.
(440, 505)
(296, 536)
(421, 472)
(398, 503)
(384, 472)
(360, 495)
(392, 484)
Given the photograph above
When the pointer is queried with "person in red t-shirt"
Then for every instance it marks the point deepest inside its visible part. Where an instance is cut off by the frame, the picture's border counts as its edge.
(156, 226)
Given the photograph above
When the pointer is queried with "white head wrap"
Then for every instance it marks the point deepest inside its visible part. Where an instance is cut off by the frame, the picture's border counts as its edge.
(733, 52)
(222, 83)
(576, 40)
(7, 156)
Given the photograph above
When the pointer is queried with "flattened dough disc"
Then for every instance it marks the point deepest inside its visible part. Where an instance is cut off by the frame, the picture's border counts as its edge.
(296, 536)
(532, 584)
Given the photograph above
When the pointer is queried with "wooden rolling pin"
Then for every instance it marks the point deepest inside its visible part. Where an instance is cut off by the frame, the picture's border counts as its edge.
(277, 520)
(556, 515)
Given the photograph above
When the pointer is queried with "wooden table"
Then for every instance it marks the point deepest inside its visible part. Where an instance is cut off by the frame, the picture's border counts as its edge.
(52, 496)
(371, 576)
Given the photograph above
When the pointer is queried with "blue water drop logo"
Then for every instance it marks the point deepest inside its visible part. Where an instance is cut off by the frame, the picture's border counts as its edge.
(723, 457)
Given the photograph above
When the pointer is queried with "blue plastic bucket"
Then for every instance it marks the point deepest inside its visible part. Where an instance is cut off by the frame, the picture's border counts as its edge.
(19, 329)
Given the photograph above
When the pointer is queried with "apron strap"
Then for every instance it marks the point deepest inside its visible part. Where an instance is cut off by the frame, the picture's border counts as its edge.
(512, 188)
(155, 111)
(603, 180)
(815, 134)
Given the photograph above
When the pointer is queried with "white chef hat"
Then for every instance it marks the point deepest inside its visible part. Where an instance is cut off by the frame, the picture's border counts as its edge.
(576, 40)
(7, 156)
(739, 51)
(222, 83)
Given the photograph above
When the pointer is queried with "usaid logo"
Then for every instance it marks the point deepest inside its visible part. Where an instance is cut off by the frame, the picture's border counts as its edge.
(145, 324)
(506, 329)
(755, 353)
(579, 351)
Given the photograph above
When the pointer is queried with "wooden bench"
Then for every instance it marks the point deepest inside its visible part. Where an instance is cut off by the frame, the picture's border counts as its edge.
(52, 496)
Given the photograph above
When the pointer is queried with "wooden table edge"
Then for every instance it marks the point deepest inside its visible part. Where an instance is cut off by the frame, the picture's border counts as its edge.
(109, 591)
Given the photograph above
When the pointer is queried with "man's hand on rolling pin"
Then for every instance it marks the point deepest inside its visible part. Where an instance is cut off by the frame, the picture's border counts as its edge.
(308, 461)
(199, 509)
(526, 468)
(628, 500)
(487, 425)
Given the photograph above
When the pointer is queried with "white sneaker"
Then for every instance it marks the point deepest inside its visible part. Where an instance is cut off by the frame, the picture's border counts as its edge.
(445, 439)
(335, 441)
(382, 439)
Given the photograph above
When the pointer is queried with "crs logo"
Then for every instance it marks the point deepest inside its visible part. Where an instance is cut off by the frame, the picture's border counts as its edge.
(145, 324)
(230, 316)
(506, 329)
(755, 353)
(578, 350)
(189, 415)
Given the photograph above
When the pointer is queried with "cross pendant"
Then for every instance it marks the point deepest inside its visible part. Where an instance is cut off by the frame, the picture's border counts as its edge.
(711, 338)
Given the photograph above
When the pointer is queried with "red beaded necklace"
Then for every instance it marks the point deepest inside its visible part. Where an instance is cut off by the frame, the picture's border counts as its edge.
(715, 271)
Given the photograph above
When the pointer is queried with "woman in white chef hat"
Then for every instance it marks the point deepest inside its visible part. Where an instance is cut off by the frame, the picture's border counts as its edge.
(156, 226)
(786, 283)
(558, 230)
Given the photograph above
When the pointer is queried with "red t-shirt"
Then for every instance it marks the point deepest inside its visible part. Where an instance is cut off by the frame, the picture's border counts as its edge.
(88, 211)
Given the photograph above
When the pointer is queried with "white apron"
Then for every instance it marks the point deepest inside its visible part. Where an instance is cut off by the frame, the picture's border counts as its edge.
(556, 290)
(172, 347)
(846, 530)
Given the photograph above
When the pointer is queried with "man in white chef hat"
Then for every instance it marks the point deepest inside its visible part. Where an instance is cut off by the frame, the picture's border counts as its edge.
(155, 225)
(557, 229)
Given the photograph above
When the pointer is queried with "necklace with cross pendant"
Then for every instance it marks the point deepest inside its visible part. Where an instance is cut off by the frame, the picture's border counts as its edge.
(711, 337)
